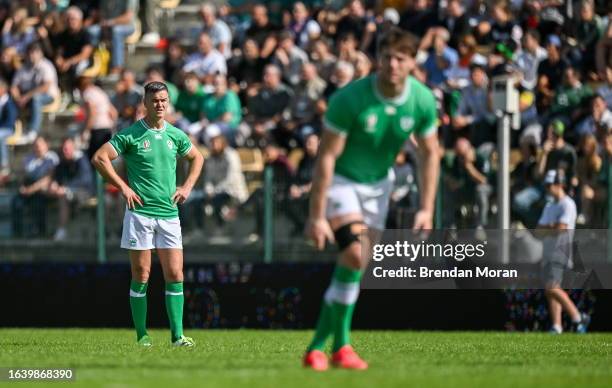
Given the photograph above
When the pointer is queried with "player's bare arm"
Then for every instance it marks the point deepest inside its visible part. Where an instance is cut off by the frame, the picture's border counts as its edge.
(196, 161)
(102, 161)
(318, 228)
(429, 169)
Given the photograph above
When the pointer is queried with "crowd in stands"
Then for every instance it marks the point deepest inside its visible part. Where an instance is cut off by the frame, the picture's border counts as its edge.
(257, 76)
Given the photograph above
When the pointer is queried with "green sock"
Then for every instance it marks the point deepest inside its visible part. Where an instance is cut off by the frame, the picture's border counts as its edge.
(138, 304)
(174, 307)
(344, 292)
(324, 327)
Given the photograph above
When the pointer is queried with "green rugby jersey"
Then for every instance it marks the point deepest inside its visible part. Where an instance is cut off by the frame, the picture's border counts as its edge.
(150, 157)
(376, 127)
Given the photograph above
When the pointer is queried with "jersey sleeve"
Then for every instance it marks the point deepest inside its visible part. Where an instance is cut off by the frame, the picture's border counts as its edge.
(121, 142)
(183, 143)
(338, 117)
(428, 115)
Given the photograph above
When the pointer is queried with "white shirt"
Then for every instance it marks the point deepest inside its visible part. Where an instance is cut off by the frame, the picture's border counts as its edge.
(203, 65)
(560, 212)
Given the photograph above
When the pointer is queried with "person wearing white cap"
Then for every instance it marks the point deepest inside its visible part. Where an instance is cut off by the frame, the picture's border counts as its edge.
(556, 224)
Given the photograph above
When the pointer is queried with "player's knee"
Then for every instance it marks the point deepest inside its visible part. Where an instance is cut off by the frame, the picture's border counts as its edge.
(140, 273)
(174, 275)
(352, 257)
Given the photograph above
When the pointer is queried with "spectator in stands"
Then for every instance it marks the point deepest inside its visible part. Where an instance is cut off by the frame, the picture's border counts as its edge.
(17, 32)
(218, 31)
(8, 116)
(34, 86)
(357, 23)
(100, 115)
(207, 62)
(267, 108)
(474, 114)
(440, 59)
(526, 183)
(299, 190)
(304, 28)
(504, 27)
(418, 17)
(246, 69)
(363, 65)
(223, 108)
(586, 31)
(588, 168)
(343, 74)
(323, 58)
(282, 174)
(150, 23)
(550, 73)
(262, 30)
(404, 195)
(603, 54)
(224, 183)
(600, 119)
(289, 58)
(457, 22)
(605, 90)
(128, 95)
(74, 49)
(72, 184)
(302, 107)
(189, 105)
(118, 18)
(570, 101)
(529, 57)
(174, 60)
(10, 61)
(466, 183)
(557, 154)
(39, 167)
(347, 48)
(48, 32)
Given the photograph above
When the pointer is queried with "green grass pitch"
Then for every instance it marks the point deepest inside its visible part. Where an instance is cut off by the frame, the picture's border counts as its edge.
(254, 358)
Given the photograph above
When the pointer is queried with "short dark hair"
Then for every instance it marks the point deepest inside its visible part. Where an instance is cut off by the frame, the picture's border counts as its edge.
(400, 40)
(34, 46)
(155, 87)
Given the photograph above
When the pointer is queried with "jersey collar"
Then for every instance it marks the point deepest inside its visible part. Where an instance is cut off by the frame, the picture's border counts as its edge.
(399, 100)
(144, 124)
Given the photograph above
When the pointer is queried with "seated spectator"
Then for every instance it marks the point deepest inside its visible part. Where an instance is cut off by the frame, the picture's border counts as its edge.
(503, 28)
(8, 116)
(73, 50)
(526, 188)
(588, 169)
(218, 31)
(34, 86)
(100, 115)
(550, 73)
(363, 65)
(224, 183)
(466, 183)
(356, 22)
(418, 17)
(174, 60)
(10, 61)
(586, 29)
(246, 70)
(116, 17)
(299, 190)
(404, 195)
(603, 54)
(72, 184)
(605, 90)
(457, 22)
(440, 59)
(189, 105)
(223, 108)
(289, 58)
(599, 121)
(39, 167)
(459, 76)
(529, 57)
(268, 106)
(557, 154)
(323, 58)
(262, 30)
(128, 95)
(302, 107)
(304, 28)
(282, 174)
(343, 74)
(207, 61)
(474, 114)
(17, 33)
(571, 97)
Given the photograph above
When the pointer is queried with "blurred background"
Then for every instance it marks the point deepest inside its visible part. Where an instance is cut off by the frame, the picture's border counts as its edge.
(249, 82)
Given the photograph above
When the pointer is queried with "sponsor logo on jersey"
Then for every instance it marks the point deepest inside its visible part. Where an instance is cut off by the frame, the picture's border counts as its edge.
(371, 123)
(406, 123)
(170, 144)
(158, 136)
(133, 242)
(390, 110)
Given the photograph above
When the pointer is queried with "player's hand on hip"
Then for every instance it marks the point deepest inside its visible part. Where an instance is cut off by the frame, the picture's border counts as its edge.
(319, 231)
(423, 221)
(131, 198)
(181, 194)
